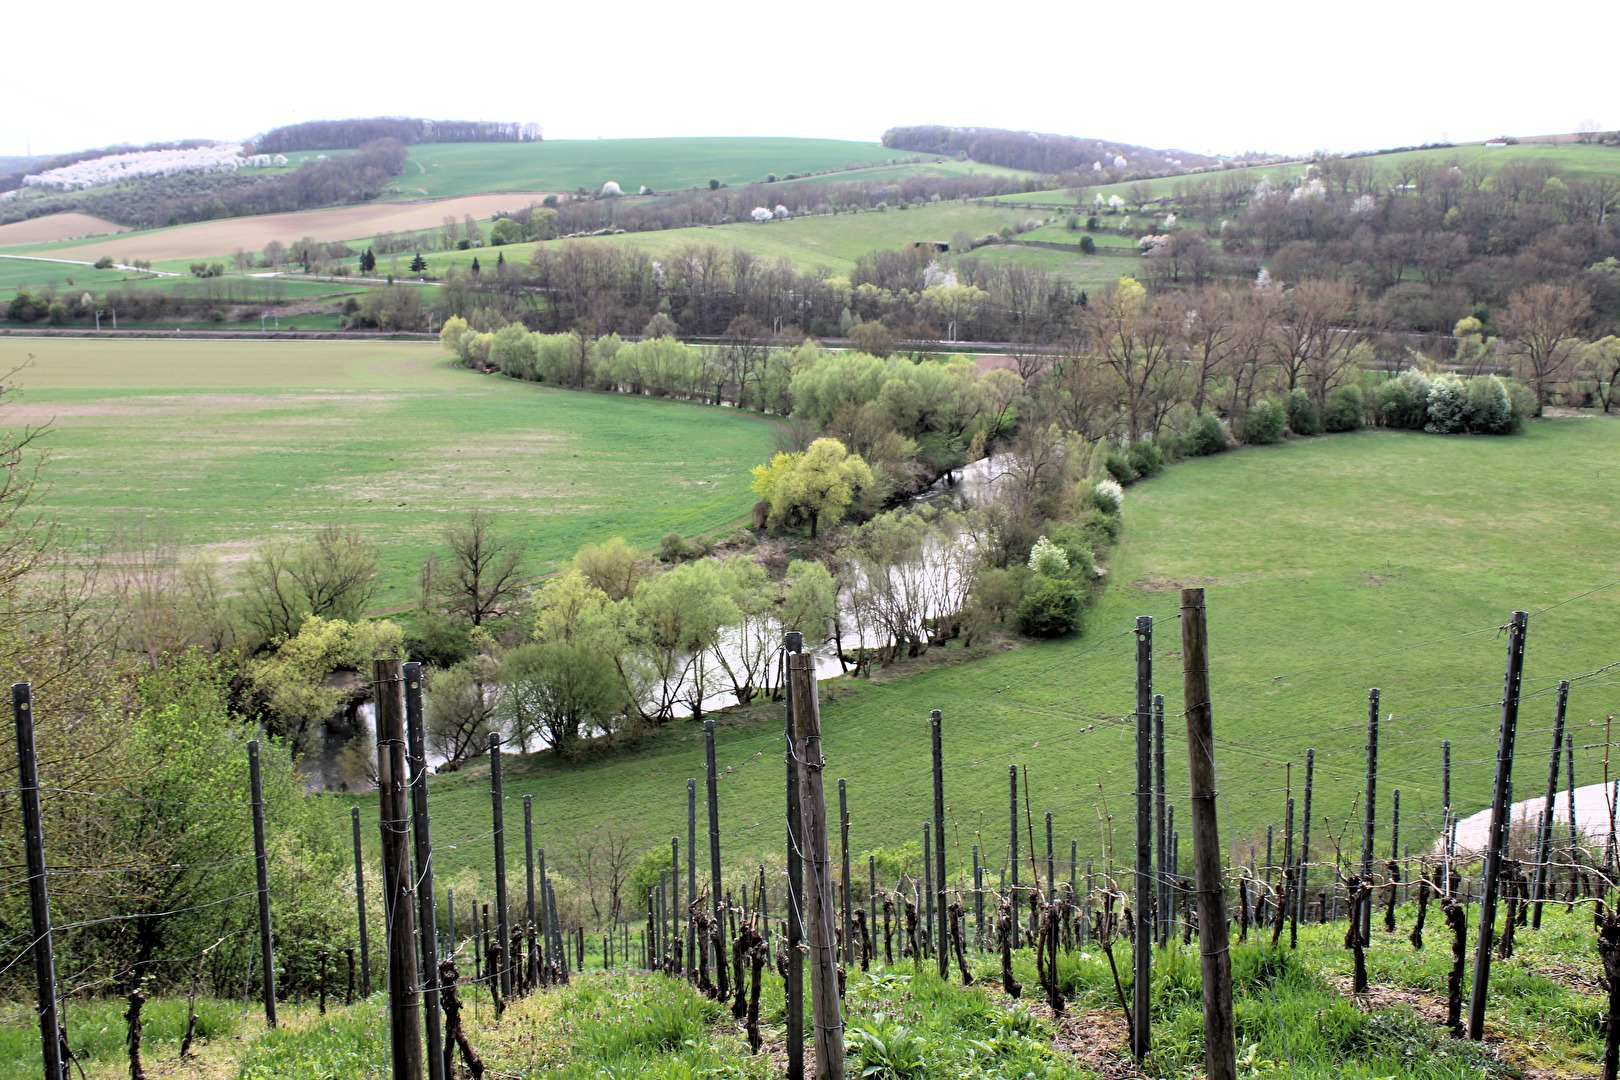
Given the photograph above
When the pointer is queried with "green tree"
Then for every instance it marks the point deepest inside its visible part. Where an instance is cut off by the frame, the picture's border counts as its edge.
(817, 484)
(294, 682)
(418, 264)
(679, 616)
(332, 574)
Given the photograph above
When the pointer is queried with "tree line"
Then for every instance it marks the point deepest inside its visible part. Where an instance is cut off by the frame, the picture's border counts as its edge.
(1049, 154)
(354, 133)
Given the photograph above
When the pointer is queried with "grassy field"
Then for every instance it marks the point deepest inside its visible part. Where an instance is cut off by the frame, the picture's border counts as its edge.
(1084, 271)
(1331, 565)
(834, 241)
(35, 275)
(439, 170)
(224, 445)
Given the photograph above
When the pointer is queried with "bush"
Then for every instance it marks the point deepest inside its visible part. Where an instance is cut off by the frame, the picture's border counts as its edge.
(1404, 400)
(438, 640)
(672, 548)
(1119, 467)
(1206, 436)
(1490, 409)
(1076, 548)
(1048, 559)
(1108, 497)
(1088, 246)
(1099, 529)
(1264, 423)
(1343, 409)
(1448, 405)
(1051, 608)
(1145, 458)
(104, 263)
(1303, 416)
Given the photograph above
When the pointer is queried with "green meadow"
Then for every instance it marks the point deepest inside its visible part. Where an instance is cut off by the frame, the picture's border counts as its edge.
(1330, 566)
(441, 169)
(222, 445)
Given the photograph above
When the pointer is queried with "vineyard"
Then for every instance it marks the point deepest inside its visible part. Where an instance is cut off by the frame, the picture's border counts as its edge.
(1355, 946)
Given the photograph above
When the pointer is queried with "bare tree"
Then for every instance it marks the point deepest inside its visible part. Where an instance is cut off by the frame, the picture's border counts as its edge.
(1542, 323)
(332, 574)
(486, 569)
(601, 862)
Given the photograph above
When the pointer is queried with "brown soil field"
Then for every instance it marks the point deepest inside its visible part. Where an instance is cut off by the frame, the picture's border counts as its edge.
(44, 230)
(212, 239)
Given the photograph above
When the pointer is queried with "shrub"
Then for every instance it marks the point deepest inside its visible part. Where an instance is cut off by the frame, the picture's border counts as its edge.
(1206, 436)
(1490, 409)
(104, 263)
(1145, 457)
(1108, 497)
(1264, 423)
(1088, 246)
(1303, 416)
(1051, 608)
(1343, 409)
(1099, 529)
(1448, 405)
(1048, 560)
(1119, 467)
(1404, 400)
(672, 548)
(1076, 548)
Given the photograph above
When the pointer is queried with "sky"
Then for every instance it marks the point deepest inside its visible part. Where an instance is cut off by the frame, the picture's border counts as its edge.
(1208, 78)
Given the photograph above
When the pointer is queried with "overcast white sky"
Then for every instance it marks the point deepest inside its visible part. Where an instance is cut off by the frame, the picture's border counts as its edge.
(1195, 76)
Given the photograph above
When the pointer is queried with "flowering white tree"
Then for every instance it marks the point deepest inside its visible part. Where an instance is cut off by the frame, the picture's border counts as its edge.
(611, 188)
(780, 212)
(761, 214)
(223, 157)
(1170, 220)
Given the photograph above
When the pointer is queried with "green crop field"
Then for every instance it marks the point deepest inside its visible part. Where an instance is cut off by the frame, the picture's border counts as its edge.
(441, 169)
(35, 275)
(225, 444)
(1082, 271)
(1330, 565)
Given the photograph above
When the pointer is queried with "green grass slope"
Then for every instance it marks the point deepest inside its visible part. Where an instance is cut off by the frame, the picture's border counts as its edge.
(436, 170)
(1330, 565)
(225, 445)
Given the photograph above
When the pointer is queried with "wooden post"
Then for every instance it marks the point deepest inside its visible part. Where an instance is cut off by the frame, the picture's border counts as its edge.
(360, 905)
(927, 904)
(267, 952)
(1501, 812)
(849, 888)
(1142, 943)
(716, 897)
(528, 889)
(404, 1013)
(1215, 960)
(39, 902)
(674, 896)
(497, 798)
(793, 914)
(1305, 831)
(422, 836)
(829, 1022)
(1447, 843)
(1369, 815)
(978, 900)
(691, 872)
(548, 948)
(942, 935)
(1012, 846)
(872, 903)
(1051, 862)
(1161, 831)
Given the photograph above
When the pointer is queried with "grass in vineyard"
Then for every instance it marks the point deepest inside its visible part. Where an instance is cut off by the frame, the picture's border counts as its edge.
(224, 445)
(1330, 565)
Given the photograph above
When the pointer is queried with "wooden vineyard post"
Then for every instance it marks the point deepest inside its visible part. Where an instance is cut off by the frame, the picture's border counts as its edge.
(1369, 814)
(1012, 845)
(717, 898)
(1501, 811)
(1543, 878)
(267, 952)
(1142, 943)
(532, 962)
(793, 913)
(691, 872)
(1161, 831)
(1214, 953)
(926, 908)
(942, 936)
(1305, 833)
(1447, 845)
(497, 798)
(404, 1013)
(849, 888)
(674, 899)
(39, 904)
(829, 1022)
(422, 836)
(360, 905)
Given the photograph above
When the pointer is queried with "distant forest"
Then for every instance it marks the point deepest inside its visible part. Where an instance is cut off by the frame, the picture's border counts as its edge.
(352, 134)
(1050, 154)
